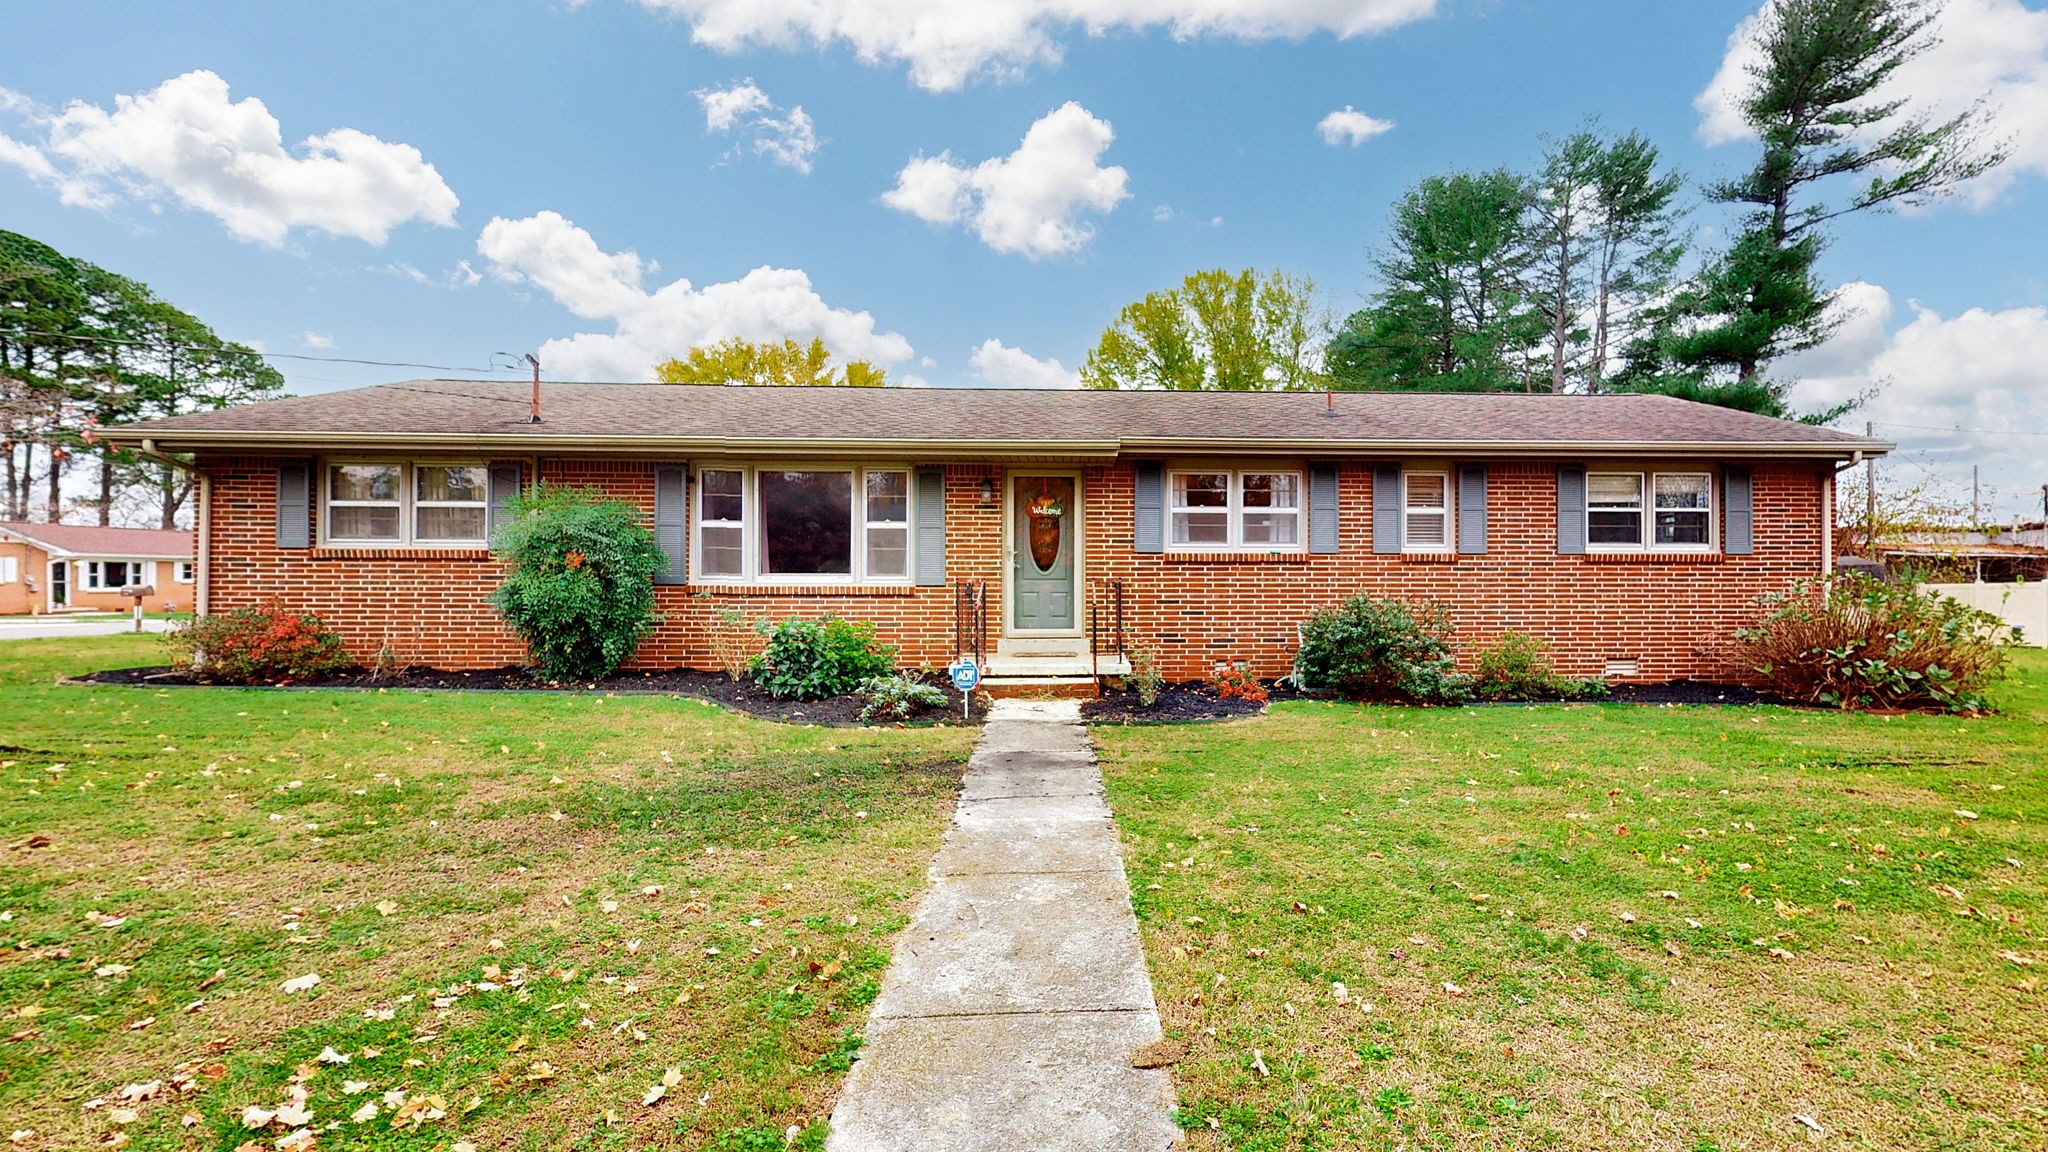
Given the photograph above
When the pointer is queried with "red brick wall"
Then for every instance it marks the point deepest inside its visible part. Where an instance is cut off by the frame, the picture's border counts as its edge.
(430, 607)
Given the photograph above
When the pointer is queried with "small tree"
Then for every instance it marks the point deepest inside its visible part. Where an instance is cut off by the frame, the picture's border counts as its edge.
(580, 589)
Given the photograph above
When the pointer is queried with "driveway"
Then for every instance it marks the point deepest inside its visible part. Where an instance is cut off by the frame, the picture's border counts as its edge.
(55, 627)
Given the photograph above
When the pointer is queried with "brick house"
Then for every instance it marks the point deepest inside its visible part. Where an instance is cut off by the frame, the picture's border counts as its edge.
(1630, 532)
(74, 567)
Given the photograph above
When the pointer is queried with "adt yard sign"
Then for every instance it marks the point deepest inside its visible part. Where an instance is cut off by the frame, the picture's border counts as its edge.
(966, 675)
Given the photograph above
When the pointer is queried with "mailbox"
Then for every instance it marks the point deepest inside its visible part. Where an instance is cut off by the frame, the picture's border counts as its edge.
(138, 591)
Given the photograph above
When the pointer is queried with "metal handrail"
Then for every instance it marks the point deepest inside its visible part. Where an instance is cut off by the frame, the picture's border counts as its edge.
(970, 618)
(1113, 587)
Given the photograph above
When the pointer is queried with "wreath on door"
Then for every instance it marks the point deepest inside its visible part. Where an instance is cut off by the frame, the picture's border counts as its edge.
(1044, 513)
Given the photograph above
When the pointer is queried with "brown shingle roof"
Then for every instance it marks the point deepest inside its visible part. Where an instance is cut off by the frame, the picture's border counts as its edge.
(92, 540)
(966, 421)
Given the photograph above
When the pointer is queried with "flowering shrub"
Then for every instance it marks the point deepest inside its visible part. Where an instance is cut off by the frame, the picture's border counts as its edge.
(814, 659)
(1852, 641)
(580, 589)
(268, 644)
(1231, 679)
(1367, 649)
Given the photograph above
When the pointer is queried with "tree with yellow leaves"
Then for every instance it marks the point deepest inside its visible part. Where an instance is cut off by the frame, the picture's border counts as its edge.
(787, 364)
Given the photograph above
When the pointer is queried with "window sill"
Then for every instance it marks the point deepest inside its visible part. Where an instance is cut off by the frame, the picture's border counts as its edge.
(1653, 557)
(865, 591)
(1236, 558)
(399, 552)
(1429, 557)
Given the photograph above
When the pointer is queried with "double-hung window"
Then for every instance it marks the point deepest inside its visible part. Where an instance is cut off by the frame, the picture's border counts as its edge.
(398, 503)
(800, 525)
(1672, 510)
(112, 575)
(1425, 511)
(1221, 510)
(186, 572)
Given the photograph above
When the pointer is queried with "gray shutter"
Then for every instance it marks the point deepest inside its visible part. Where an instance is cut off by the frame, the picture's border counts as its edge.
(1739, 539)
(1322, 508)
(672, 524)
(1571, 509)
(1472, 510)
(931, 528)
(1386, 508)
(504, 490)
(1148, 532)
(295, 504)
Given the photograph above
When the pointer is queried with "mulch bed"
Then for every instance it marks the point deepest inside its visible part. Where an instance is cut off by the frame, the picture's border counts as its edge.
(1197, 700)
(741, 696)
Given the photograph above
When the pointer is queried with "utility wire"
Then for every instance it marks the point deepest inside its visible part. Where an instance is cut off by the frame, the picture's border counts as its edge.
(83, 338)
(1971, 431)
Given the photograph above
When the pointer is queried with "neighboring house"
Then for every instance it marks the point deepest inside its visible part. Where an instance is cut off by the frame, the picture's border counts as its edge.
(1633, 533)
(73, 567)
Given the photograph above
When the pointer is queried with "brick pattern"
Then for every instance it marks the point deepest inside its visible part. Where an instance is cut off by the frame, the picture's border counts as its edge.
(1195, 609)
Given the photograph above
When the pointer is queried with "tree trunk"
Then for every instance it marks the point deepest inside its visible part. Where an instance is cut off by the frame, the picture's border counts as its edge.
(56, 480)
(106, 500)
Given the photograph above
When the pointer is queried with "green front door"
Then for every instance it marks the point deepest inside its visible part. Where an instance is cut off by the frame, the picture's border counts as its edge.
(1043, 511)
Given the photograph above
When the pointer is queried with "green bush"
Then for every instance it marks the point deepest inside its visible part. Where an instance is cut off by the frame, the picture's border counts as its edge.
(814, 659)
(580, 590)
(1367, 649)
(897, 697)
(1852, 641)
(264, 645)
(1144, 678)
(1517, 667)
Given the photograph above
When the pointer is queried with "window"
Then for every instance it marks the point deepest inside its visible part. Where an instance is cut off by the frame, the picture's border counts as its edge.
(722, 523)
(1224, 510)
(803, 524)
(10, 569)
(390, 503)
(187, 571)
(1678, 515)
(112, 575)
(1684, 508)
(1425, 511)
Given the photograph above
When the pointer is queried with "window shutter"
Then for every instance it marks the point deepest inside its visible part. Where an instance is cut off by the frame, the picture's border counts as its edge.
(1739, 539)
(1571, 509)
(1386, 508)
(931, 528)
(504, 490)
(295, 504)
(1472, 510)
(1148, 534)
(1322, 508)
(672, 523)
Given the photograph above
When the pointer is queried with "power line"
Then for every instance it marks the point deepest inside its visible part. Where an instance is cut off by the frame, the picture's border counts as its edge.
(1971, 431)
(266, 355)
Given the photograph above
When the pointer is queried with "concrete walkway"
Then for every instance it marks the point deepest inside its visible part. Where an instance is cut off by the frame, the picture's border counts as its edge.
(1018, 994)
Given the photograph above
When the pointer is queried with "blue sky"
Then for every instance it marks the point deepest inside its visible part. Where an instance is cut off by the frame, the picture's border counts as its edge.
(581, 130)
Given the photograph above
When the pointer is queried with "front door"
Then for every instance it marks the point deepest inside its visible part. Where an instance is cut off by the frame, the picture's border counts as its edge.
(1043, 513)
(60, 583)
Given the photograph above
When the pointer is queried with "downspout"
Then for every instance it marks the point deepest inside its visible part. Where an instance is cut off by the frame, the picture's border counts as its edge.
(1827, 514)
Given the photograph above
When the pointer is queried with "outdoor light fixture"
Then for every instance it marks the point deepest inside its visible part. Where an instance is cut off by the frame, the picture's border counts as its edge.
(988, 490)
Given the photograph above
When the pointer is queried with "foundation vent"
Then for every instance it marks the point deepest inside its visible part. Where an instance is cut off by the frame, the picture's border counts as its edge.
(1617, 669)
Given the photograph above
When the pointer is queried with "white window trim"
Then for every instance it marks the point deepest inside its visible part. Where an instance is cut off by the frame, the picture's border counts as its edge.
(185, 571)
(1449, 511)
(1646, 513)
(1234, 510)
(408, 505)
(10, 569)
(752, 524)
(92, 579)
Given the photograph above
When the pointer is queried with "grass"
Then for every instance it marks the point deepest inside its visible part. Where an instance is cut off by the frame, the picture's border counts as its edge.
(524, 911)
(1598, 926)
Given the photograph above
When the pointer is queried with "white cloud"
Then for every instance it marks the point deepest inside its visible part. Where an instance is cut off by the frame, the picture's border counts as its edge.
(316, 340)
(999, 365)
(1990, 50)
(554, 255)
(1028, 202)
(789, 140)
(1162, 213)
(946, 43)
(1963, 390)
(1348, 125)
(186, 140)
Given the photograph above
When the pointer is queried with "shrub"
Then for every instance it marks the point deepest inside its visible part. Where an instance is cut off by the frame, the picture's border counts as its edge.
(813, 659)
(1517, 667)
(1367, 649)
(580, 590)
(733, 639)
(896, 697)
(1144, 677)
(1852, 641)
(268, 644)
(1231, 679)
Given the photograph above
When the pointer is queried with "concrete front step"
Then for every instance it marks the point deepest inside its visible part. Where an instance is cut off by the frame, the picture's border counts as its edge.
(1039, 687)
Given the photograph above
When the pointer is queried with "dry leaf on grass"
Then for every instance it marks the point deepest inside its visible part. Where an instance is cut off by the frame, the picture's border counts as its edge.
(306, 983)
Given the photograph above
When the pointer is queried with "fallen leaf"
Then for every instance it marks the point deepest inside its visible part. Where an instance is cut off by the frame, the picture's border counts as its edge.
(304, 983)
(1812, 1124)
(1259, 1063)
(386, 907)
(654, 1095)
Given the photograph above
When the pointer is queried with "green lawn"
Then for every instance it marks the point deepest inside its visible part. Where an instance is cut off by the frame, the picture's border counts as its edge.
(523, 911)
(1598, 926)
